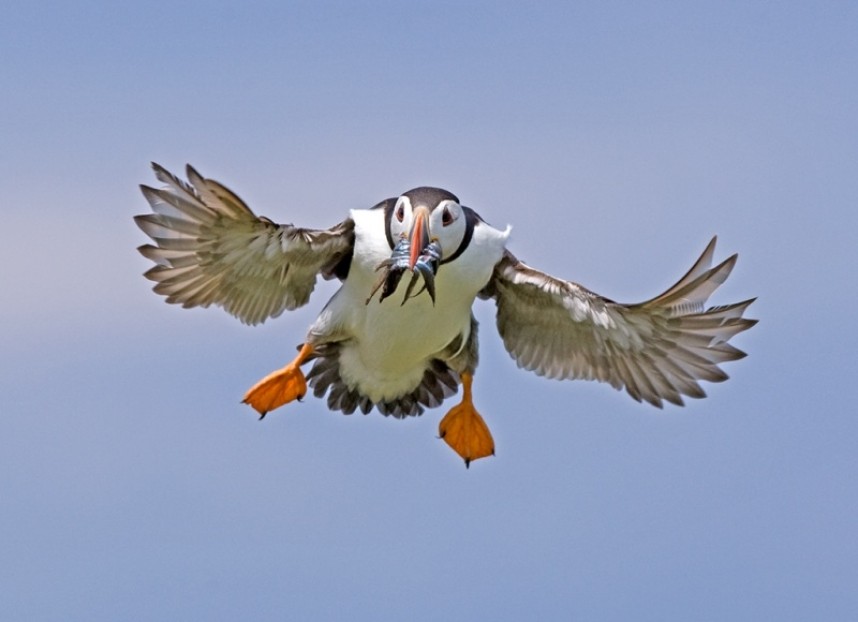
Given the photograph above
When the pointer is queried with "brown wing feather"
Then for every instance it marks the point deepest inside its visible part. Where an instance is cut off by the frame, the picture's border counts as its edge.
(657, 350)
(210, 248)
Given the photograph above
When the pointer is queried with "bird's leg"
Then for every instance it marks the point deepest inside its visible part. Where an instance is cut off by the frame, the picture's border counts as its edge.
(281, 386)
(463, 428)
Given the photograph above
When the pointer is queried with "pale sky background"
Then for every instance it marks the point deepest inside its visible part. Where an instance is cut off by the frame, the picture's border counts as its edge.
(616, 138)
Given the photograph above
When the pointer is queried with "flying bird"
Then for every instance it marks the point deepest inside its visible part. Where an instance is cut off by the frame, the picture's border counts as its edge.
(399, 335)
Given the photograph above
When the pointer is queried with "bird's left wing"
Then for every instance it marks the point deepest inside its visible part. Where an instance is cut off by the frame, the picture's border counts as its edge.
(658, 350)
(210, 248)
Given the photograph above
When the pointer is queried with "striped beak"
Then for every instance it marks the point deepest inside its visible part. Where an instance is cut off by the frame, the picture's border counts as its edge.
(419, 236)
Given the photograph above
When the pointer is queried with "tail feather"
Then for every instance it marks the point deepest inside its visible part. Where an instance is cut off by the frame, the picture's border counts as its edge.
(439, 382)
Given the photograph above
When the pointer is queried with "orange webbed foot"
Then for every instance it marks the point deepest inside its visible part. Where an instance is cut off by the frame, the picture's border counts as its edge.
(464, 430)
(280, 387)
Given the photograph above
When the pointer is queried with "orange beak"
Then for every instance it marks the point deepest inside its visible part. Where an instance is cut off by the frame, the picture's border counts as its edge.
(419, 234)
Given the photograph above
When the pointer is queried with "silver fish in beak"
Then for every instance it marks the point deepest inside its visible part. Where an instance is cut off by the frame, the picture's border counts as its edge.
(414, 252)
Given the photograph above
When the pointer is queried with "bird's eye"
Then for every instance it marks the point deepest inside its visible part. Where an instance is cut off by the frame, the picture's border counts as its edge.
(446, 217)
(400, 213)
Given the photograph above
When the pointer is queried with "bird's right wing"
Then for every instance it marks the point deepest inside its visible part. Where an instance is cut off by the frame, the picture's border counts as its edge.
(210, 248)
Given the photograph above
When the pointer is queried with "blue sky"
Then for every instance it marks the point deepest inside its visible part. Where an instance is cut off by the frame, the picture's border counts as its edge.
(616, 139)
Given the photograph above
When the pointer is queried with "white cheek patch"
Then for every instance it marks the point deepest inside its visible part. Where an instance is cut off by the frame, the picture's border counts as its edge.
(398, 228)
(451, 236)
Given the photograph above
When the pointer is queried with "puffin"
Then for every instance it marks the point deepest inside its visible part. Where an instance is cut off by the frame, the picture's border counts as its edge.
(399, 335)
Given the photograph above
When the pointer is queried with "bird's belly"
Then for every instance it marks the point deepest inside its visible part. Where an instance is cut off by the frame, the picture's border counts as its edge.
(385, 347)
(392, 343)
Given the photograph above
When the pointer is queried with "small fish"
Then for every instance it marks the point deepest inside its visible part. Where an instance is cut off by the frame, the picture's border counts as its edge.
(395, 266)
(427, 266)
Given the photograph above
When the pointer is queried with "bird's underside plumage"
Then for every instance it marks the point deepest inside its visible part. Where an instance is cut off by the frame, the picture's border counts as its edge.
(439, 382)
(210, 248)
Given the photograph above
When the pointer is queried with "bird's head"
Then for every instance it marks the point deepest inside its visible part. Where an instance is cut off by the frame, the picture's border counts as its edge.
(426, 227)
(428, 215)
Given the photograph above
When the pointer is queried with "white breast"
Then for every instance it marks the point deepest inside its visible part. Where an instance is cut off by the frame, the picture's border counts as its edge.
(391, 343)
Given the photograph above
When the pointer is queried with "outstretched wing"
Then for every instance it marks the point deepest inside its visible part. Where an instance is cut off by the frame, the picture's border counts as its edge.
(210, 248)
(658, 350)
